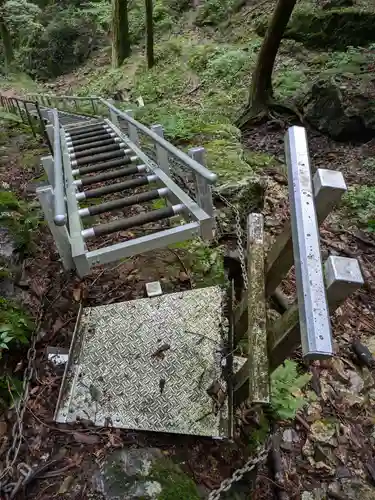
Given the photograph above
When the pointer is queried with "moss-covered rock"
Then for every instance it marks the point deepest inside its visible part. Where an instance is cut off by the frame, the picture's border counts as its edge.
(335, 28)
(340, 112)
(143, 473)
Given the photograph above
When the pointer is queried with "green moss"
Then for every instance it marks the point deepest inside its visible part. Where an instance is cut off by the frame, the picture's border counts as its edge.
(175, 484)
(360, 202)
(337, 28)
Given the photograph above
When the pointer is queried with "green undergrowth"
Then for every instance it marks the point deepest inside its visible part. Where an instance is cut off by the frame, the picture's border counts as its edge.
(360, 203)
(21, 219)
(286, 390)
(174, 482)
(205, 263)
(15, 330)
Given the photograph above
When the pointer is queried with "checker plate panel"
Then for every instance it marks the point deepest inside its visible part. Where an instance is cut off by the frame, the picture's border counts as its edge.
(113, 378)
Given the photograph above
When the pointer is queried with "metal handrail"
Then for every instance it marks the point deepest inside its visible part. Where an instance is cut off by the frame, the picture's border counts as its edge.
(60, 217)
(210, 177)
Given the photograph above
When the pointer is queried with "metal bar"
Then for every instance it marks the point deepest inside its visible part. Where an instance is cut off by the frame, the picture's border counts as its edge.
(135, 221)
(114, 146)
(44, 128)
(115, 188)
(90, 138)
(147, 243)
(203, 189)
(83, 126)
(119, 162)
(329, 186)
(59, 195)
(189, 162)
(123, 202)
(74, 134)
(30, 121)
(19, 109)
(85, 160)
(47, 162)
(75, 224)
(93, 106)
(343, 277)
(316, 338)
(162, 158)
(256, 379)
(176, 192)
(60, 234)
(132, 130)
(107, 176)
(92, 145)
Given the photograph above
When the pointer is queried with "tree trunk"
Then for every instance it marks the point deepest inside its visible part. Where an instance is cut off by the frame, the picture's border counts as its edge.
(261, 82)
(120, 32)
(7, 43)
(149, 34)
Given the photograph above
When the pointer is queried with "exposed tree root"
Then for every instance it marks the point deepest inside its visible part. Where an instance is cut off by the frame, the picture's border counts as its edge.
(254, 115)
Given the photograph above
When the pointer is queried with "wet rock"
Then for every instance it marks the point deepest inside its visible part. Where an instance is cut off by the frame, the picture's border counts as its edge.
(323, 432)
(290, 437)
(142, 473)
(334, 4)
(340, 112)
(337, 28)
(353, 489)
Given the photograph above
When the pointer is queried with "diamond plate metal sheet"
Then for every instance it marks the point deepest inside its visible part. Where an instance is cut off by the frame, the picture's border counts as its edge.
(115, 377)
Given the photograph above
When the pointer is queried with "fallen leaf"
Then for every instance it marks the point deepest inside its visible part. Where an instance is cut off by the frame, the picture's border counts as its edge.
(66, 484)
(159, 353)
(82, 438)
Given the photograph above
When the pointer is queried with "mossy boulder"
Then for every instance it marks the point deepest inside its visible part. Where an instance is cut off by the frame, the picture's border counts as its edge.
(143, 473)
(334, 28)
(336, 110)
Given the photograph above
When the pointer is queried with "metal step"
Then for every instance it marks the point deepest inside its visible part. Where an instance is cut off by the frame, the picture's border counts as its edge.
(151, 363)
(115, 188)
(135, 221)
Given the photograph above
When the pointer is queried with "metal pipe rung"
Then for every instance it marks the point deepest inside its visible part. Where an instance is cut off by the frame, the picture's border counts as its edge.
(107, 176)
(88, 160)
(115, 188)
(114, 146)
(118, 162)
(124, 202)
(93, 136)
(137, 220)
(92, 145)
(85, 130)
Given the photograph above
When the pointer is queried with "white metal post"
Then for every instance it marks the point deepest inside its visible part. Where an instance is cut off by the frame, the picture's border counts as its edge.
(60, 233)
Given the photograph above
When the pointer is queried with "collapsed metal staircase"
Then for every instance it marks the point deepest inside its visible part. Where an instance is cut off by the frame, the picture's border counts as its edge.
(167, 363)
(116, 169)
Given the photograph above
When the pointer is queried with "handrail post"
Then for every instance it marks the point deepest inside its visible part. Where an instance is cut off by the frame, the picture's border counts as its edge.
(60, 234)
(132, 129)
(162, 156)
(203, 192)
(112, 115)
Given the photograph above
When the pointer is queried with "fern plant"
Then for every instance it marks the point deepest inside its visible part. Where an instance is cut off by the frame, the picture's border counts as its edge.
(15, 326)
(286, 395)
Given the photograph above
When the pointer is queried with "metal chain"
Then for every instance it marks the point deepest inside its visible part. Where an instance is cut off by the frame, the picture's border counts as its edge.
(239, 473)
(239, 234)
(17, 430)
